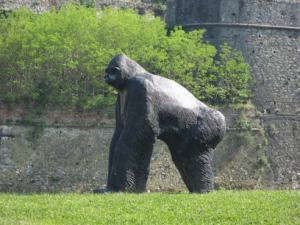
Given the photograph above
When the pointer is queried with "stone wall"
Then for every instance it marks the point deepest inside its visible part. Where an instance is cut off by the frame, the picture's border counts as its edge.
(274, 55)
(142, 6)
(67, 151)
(65, 159)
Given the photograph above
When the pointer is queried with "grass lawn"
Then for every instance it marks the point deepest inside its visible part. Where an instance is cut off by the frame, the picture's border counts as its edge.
(220, 207)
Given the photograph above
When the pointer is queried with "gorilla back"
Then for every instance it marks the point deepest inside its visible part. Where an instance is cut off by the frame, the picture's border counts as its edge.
(149, 107)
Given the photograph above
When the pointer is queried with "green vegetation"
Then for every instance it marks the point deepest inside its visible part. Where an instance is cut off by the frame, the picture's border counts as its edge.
(58, 58)
(242, 123)
(223, 207)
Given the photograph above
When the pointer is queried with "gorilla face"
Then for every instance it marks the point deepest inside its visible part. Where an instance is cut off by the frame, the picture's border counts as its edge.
(113, 77)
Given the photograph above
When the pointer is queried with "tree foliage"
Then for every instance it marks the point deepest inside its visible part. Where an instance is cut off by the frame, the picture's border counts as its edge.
(58, 58)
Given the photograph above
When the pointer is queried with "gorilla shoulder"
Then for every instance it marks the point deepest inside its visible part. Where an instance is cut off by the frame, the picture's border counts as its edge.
(143, 80)
(175, 93)
(166, 91)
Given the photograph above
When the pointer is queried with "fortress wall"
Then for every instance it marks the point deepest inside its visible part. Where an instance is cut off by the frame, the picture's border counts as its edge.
(274, 56)
(44, 5)
(61, 151)
(67, 151)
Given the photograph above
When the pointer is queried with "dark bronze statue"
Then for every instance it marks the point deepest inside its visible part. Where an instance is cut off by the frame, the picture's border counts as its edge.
(148, 107)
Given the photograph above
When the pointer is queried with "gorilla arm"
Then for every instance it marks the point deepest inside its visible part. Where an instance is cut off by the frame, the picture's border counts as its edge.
(115, 138)
(130, 155)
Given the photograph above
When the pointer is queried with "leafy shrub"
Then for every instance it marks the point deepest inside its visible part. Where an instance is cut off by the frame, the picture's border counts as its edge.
(58, 58)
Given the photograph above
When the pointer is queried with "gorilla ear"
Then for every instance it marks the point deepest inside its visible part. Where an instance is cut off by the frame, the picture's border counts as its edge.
(112, 70)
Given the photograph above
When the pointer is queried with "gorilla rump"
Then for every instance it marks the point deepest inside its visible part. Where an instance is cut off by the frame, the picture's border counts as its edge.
(149, 107)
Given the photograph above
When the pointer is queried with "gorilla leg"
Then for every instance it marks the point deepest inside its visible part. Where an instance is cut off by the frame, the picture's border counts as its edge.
(111, 154)
(199, 170)
(130, 163)
(194, 167)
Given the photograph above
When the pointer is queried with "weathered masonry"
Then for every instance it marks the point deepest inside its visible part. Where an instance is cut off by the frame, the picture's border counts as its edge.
(267, 32)
(142, 6)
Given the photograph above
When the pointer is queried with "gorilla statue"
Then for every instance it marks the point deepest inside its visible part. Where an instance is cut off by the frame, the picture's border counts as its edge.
(149, 107)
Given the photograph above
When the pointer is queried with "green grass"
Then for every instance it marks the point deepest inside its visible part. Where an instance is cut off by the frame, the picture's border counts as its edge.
(221, 207)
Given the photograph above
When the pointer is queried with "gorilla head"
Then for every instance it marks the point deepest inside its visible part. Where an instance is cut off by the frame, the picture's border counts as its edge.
(120, 69)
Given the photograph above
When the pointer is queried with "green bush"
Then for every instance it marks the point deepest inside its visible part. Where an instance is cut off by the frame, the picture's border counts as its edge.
(58, 58)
